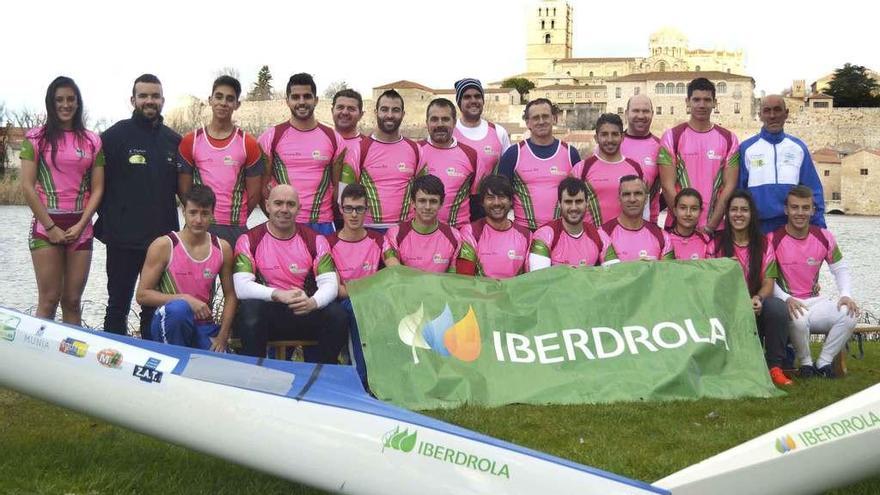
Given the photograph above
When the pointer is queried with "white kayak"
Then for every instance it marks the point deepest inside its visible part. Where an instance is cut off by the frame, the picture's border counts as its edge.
(308, 423)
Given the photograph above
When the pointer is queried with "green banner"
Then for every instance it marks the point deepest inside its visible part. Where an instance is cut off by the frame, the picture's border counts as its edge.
(627, 332)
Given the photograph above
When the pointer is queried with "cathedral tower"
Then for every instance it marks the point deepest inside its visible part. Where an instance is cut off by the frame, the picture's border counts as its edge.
(548, 34)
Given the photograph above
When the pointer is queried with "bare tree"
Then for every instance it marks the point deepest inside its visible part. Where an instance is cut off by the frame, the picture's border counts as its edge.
(334, 88)
(2, 112)
(27, 118)
(227, 71)
(187, 118)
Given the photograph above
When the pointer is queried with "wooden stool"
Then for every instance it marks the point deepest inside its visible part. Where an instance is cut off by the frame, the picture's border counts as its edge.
(839, 363)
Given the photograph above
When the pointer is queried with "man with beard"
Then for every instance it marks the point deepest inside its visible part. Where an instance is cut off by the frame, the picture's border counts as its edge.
(488, 139)
(602, 171)
(347, 110)
(452, 162)
(138, 204)
(569, 240)
(387, 165)
(537, 165)
(304, 152)
(632, 237)
(494, 246)
(278, 264)
(642, 147)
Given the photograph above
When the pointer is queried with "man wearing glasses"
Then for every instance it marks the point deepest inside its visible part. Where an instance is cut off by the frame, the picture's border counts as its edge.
(357, 253)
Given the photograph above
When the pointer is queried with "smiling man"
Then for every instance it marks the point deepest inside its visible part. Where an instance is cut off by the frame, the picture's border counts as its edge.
(641, 145)
(700, 154)
(634, 238)
(772, 162)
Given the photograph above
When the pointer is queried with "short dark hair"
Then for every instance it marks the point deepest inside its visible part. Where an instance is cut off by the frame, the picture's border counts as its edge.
(145, 78)
(496, 184)
(390, 93)
(230, 81)
(352, 191)
(609, 118)
(539, 101)
(689, 192)
(441, 102)
(302, 79)
(572, 186)
(799, 191)
(700, 84)
(630, 178)
(428, 184)
(201, 195)
(349, 93)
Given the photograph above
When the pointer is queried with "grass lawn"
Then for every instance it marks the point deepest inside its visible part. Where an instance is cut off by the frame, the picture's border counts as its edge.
(46, 449)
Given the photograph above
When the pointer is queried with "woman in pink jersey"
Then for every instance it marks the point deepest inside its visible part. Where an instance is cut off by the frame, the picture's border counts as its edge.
(688, 243)
(742, 240)
(62, 178)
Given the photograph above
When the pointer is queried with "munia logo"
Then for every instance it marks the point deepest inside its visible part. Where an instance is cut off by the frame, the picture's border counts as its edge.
(442, 334)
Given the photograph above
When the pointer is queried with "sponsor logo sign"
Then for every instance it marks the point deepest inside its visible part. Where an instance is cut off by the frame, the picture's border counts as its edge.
(148, 372)
(110, 358)
(74, 347)
(407, 442)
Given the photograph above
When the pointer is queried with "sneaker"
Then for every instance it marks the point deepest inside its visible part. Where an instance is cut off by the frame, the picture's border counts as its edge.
(778, 377)
(826, 371)
(807, 371)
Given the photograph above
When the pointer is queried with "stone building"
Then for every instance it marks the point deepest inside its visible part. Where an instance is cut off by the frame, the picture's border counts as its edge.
(827, 162)
(859, 182)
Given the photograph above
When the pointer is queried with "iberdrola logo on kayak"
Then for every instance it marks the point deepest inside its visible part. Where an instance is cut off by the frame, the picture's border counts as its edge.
(442, 334)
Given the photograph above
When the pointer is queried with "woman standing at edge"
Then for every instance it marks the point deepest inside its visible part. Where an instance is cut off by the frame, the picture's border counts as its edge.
(62, 178)
(742, 240)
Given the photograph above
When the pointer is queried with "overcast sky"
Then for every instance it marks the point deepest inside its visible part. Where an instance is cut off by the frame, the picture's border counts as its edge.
(104, 45)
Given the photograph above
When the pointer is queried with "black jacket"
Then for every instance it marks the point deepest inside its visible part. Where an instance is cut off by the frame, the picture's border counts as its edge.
(140, 183)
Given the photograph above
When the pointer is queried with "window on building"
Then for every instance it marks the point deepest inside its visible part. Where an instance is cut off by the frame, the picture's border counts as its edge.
(680, 89)
(636, 91)
(661, 67)
(827, 173)
(547, 38)
(835, 196)
(554, 11)
(539, 12)
(659, 110)
(671, 110)
(577, 95)
(863, 171)
(820, 104)
(591, 73)
(619, 110)
(497, 98)
(553, 24)
(670, 88)
(728, 70)
(697, 68)
(618, 92)
(542, 25)
(568, 95)
(659, 88)
(721, 87)
(736, 107)
(615, 74)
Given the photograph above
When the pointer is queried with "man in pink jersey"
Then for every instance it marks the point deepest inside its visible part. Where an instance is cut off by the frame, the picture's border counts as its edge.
(388, 163)
(602, 171)
(357, 253)
(304, 152)
(423, 243)
(800, 250)
(569, 240)
(701, 155)
(225, 158)
(455, 164)
(490, 140)
(536, 166)
(641, 145)
(178, 279)
(286, 283)
(494, 246)
(346, 110)
(632, 237)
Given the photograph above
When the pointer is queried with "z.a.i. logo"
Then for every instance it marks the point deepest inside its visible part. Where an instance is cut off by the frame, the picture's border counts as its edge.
(443, 335)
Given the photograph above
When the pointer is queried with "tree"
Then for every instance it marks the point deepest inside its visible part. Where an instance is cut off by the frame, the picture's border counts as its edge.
(520, 84)
(333, 88)
(853, 86)
(262, 89)
(26, 118)
(227, 71)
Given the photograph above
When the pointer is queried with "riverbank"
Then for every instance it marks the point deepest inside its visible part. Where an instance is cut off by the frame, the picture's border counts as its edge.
(10, 189)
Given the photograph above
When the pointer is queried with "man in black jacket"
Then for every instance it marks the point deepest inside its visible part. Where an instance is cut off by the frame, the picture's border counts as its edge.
(138, 204)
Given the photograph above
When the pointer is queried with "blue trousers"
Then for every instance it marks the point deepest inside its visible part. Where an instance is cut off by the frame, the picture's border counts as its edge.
(174, 323)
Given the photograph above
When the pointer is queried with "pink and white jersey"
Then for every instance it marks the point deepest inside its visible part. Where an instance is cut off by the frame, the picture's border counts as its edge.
(496, 253)
(283, 263)
(352, 159)
(432, 252)
(700, 159)
(63, 184)
(799, 260)
(591, 248)
(696, 246)
(535, 181)
(304, 159)
(488, 149)
(603, 181)
(356, 259)
(223, 169)
(455, 167)
(187, 275)
(647, 243)
(386, 171)
(644, 150)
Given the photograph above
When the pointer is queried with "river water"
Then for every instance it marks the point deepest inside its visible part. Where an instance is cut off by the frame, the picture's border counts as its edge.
(18, 290)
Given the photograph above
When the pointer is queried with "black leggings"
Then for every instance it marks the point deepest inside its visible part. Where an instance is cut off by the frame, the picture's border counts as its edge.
(773, 330)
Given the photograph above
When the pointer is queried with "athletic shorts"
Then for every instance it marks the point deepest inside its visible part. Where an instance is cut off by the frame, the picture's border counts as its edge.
(40, 239)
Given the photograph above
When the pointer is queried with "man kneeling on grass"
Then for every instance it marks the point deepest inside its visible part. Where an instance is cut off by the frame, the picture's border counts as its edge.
(179, 275)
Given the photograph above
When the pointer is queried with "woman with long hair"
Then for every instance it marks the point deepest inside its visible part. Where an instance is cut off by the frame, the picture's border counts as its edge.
(688, 243)
(62, 177)
(742, 240)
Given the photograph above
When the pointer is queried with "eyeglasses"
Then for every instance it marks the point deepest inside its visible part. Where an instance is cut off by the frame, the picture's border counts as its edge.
(360, 210)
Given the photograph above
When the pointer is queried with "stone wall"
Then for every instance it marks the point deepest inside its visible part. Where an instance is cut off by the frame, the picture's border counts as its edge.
(859, 190)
